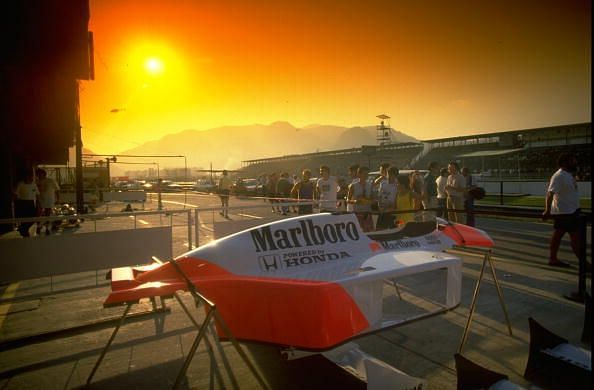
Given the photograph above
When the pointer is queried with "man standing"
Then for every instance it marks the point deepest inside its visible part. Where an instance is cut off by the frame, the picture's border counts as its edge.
(442, 196)
(283, 190)
(48, 194)
(25, 194)
(455, 188)
(224, 188)
(360, 197)
(303, 192)
(326, 189)
(387, 200)
(430, 199)
(562, 202)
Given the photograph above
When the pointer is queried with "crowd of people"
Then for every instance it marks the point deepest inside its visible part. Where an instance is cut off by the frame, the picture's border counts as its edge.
(395, 198)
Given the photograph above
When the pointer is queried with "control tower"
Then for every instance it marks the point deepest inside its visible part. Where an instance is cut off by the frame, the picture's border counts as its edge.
(383, 130)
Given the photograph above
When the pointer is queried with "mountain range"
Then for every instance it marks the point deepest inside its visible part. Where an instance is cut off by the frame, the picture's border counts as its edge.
(226, 147)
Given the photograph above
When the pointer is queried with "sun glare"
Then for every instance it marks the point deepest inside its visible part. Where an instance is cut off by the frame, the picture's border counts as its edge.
(154, 66)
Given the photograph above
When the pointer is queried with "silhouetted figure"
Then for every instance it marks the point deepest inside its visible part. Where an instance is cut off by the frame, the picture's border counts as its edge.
(224, 188)
(48, 195)
(304, 191)
(25, 193)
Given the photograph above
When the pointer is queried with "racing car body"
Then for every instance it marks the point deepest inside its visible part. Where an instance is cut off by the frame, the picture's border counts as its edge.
(310, 282)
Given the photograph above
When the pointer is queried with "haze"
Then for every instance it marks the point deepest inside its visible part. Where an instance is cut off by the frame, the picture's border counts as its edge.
(437, 68)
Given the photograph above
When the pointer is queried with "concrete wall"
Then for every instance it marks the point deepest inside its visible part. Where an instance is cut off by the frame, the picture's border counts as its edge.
(41, 256)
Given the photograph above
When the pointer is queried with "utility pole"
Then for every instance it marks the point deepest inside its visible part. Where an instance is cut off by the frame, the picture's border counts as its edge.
(80, 199)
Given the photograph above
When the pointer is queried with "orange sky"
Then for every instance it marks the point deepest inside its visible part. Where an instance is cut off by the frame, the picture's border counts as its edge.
(439, 68)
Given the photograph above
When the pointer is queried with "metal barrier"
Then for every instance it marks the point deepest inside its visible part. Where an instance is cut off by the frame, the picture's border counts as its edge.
(92, 247)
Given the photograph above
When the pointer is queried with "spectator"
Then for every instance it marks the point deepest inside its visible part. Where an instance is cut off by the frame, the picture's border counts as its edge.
(26, 193)
(468, 199)
(294, 181)
(455, 187)
(48, 194)
(353, 175)
(383, 174)
(326, 190)
(404, 201)
(341, 194)
(430, 198)
(283, 190)
(442, 196)
(271, 190)
(359, 195)
(417, 186)
(304, 191)
(224, 188)
(387, 201)
(562, 202)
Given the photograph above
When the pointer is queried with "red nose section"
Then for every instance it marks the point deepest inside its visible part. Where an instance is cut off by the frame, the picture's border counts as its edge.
(465, 235)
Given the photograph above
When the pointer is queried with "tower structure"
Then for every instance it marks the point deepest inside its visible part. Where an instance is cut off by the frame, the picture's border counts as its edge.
(383, 130)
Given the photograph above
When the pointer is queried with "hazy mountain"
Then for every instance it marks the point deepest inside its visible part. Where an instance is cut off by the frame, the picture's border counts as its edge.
(226, 147)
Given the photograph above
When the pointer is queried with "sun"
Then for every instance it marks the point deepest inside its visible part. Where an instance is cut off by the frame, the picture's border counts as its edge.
(154, 66)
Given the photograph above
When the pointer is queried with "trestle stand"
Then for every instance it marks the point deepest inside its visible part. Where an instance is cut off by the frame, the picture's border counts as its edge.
(486, 259)
(104, 351)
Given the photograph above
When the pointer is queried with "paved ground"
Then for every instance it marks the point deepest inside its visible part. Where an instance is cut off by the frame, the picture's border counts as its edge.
(53, 340)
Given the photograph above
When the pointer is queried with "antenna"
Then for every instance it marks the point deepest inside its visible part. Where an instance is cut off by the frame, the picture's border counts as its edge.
(383, 130)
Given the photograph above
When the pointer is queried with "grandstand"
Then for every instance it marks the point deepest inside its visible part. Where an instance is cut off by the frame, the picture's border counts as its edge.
(520, 154)
(399, 154)
(517, 154)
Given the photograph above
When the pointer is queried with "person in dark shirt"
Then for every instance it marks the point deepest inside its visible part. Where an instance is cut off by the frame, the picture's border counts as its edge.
(430, 196)
(283, 190)
(303, 191)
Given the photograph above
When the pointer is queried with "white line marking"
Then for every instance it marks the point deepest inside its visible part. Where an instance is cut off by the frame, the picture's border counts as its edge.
(250, 216)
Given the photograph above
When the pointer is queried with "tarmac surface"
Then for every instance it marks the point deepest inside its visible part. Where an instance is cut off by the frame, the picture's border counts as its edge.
(52, 336)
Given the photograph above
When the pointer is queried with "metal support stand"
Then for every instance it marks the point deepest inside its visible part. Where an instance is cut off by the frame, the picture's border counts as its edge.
(211, 314)
(104, 351)
(486, 259)
(395, 285)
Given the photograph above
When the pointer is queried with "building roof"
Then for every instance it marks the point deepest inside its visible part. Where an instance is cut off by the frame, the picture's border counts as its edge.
(489, 153)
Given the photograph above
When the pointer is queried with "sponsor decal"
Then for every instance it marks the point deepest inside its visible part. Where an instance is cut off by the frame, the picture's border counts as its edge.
(271, 263)
(307, 234)
(433, 240)
(401, 244)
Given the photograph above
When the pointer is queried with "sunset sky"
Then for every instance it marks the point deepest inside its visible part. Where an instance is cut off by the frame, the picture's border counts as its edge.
(438, 68)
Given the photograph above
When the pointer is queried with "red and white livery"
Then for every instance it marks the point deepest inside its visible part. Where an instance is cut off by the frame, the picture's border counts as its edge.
(310, 282)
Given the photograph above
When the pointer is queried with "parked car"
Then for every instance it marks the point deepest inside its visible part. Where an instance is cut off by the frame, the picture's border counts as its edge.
(205, 185)
(245, 187)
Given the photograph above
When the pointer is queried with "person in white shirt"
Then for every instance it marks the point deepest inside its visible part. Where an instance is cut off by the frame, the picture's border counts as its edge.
(442, 196)
(25, 196)
(562, 202)
(387, 198)
(326, 189)
(359, 196)
(455, 188)
(48, 195)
